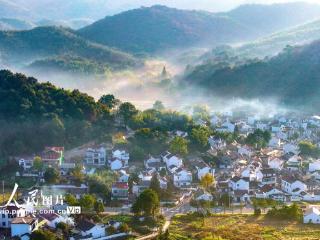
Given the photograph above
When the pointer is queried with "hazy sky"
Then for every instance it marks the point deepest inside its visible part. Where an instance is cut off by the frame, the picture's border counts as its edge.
(210, 5)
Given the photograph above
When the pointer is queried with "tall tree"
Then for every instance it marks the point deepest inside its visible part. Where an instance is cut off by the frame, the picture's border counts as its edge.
(207, 181)
(51, 175)
(155, 184)
(147, 203)
(127, 111)
(37, 163)
(109, 100)
(158, 105)
(179, 146)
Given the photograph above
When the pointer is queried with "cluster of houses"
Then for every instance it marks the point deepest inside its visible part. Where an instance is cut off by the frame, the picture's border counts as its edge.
(275, 172)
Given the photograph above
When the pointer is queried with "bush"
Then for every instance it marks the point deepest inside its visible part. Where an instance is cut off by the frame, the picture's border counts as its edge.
(257, 212)
(292, 212)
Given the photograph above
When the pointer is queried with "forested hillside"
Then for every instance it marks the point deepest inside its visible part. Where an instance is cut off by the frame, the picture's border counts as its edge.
(292, 77)
(23, 47)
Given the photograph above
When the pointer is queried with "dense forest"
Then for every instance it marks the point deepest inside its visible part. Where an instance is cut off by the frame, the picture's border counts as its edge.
(44, 43)
(292, 77)
(42, 114)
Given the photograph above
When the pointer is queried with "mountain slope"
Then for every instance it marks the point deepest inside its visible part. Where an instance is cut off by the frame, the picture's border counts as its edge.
(159, 27)
(267, 19)
(274, 43)
(292, 77)
(23, 47)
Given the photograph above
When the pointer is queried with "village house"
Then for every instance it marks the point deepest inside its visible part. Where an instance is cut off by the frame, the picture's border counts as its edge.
(274, 142)
(269, 176)
(312, 215)
(275, 163)
(203, 195)
(202, 169)
(217, 143)
(154, 163)
(290, 148)
(90, 230)
(26, 163)
(123, 176)
(314, 166)
(292, 185)
(120, 191)
(172, 160)
(96, 156)
(52, 219)
(8, 213)
(121, 154)
(237, 183)
(22, 227)
(270, 191)
(52, 156)
(182, 178)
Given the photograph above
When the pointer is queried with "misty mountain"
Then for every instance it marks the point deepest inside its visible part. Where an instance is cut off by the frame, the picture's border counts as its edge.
(157, 28)
(21, 48)
(292, 77)
(273, 44)
(266, 19)
(15, 24)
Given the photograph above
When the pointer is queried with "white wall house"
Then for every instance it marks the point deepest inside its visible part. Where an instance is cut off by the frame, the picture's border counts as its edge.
(312, 215)
(88, 228)
(274, 142)
(121, 154)
(202, 170)
(275, 163)
(314, 166)
(182, 178)
(237, 183)
(290, 148)
(96, 157)
(8, 213)
(117, 164)
(292, 186)
(172, 160)
(21, 226)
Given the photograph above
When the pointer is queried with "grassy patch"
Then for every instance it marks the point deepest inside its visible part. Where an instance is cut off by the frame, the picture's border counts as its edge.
(141, 228)
(239, 227)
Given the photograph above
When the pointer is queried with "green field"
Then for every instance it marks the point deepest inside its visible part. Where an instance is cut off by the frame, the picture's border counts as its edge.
(239, 227)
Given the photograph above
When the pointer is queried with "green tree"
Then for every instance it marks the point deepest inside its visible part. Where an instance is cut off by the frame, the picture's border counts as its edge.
(199, 136)
(207, 181)
(51, 176)
(179, 146)
(77, 174)
(147, 203)
(70, 199)
(99, 207)
(308, 149)
(137, 154)
(42, 235)
(37, 163)
(87, 202)
(109, 100)
(127, 111)
(258, 138)
(155, 184)
(158, 105)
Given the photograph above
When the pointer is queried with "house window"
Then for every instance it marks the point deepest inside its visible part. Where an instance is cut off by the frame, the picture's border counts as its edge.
(3, 216)
(4, 224)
